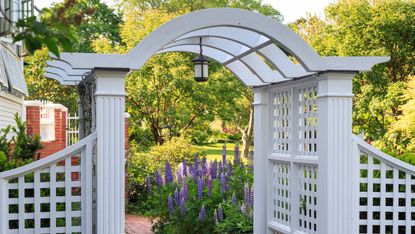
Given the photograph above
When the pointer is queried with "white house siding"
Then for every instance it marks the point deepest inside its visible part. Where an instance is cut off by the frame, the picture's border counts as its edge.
(9, 105)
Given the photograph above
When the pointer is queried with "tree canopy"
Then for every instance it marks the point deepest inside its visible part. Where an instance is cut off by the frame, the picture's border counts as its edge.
(370, 28)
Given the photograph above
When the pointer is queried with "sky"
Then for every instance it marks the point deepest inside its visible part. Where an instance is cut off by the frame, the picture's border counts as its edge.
(290, 9)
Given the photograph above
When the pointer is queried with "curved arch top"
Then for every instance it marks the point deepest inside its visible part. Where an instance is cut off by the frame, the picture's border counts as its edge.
(227, 17)
(254, 47)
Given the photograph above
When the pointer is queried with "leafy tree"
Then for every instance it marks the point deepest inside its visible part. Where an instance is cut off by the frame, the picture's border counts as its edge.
(183, 6)
(401, 134)
(367, 28)
(71, 25)
(163, 96)
(41, 88)
(78, 21)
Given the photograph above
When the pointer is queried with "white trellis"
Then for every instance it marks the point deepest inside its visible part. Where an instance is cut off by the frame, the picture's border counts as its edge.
(311, 174)
(72, 129)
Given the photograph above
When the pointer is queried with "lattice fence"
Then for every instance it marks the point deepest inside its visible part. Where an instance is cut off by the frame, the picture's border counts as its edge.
(282, 121)
(72, 129)
(386, 193)
(52, 195)
(308, 198)
(307, 121)
(282, 196)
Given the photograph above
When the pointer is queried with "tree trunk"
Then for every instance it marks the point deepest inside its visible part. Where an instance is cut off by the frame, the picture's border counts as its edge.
(155, 129)
(247, 133)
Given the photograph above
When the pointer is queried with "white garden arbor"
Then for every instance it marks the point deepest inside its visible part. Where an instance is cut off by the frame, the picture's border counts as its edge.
(308, 167)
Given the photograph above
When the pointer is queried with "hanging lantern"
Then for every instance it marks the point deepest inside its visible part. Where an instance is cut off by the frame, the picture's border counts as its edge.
(201, 66)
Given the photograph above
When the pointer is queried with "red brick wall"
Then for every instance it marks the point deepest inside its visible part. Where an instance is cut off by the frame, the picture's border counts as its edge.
(51, 147)
(33, 128)
(33, 120)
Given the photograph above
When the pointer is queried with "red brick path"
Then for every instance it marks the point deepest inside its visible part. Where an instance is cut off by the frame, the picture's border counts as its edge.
(137, 225)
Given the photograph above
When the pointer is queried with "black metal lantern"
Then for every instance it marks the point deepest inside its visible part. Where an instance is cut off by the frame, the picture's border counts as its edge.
(201, 66)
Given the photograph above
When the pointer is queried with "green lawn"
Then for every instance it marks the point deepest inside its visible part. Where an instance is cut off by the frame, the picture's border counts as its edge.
(214, 151)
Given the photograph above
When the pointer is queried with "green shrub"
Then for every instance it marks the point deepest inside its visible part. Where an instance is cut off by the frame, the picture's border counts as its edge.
(25, 146)
(196, 136)
(174, 151)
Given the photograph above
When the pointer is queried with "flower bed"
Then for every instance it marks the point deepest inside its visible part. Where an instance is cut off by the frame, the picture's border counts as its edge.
(202, 197)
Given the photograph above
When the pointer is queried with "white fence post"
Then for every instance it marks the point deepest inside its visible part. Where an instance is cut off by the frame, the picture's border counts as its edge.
(3, 206)
(261, 131)
(110, 106)
(335, 198)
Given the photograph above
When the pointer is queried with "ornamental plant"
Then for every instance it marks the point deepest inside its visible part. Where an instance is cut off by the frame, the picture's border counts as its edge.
(202, 196)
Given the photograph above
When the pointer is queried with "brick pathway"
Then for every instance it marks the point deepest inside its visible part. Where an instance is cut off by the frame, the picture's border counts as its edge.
(137, 224)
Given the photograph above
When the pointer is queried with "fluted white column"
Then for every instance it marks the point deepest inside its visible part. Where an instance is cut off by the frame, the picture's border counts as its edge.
(335, 173)
(110, 108)
(261, 135)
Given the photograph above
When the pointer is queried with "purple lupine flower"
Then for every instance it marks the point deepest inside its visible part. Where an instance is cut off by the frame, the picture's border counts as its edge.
(230, 169)
(233, 199)
(200, 188)
(236, 157)
(251, 196)
(243, 209)
(185, 190)
(220, 212)
(176, 197)
(202, 213)
(222, 183)
(247, 194)
(191, 171)
(224, 154)
(181, 195)
(213, 169)
(199, 172)
(210, 185)
(221, 167)
(182, 207)
(159, 180)
(170, 204)
(184, 168)
(149, 186)
(196, 161)
(168, 173)
(204, 165)
(215, 217)
(179, 174)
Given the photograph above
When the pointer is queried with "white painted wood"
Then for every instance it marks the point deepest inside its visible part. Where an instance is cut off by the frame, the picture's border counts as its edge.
(396, 192)
(110, 101)
(261, 131)
(334, 152)
(42, 183)
(42, 163)
(3, 206)
(248, 38)
(281, 61)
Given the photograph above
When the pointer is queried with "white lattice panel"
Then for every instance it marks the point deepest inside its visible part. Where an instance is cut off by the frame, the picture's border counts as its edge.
(308, 198)
(47, 200)
(52, 195)
(307, 121)
(282, 193)
(386, 197)
(282, 121)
